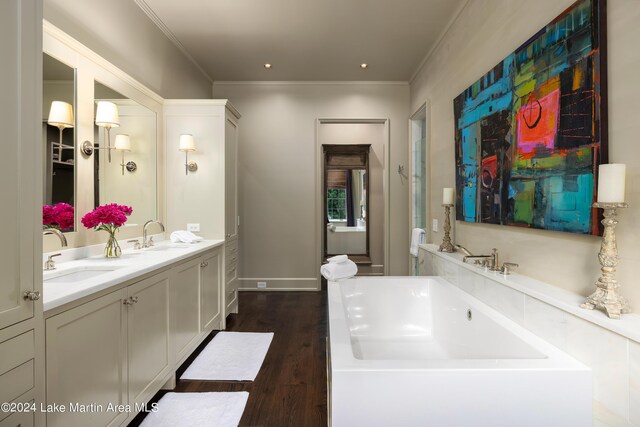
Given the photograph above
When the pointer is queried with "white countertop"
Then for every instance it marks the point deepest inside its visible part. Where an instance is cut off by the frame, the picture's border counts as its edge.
(132, 264)
(628, 325)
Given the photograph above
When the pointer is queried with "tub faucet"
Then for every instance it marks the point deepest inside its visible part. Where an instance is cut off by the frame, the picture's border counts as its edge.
(463, 250)
(149, 243)
(490, 261)
(56, 232)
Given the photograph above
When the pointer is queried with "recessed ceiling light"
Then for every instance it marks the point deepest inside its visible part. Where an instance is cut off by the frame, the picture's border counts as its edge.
(363, 66)
(267, 66)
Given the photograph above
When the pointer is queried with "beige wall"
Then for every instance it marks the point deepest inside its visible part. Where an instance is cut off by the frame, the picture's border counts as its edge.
(120, 32)
(277, 172)
(483, 34)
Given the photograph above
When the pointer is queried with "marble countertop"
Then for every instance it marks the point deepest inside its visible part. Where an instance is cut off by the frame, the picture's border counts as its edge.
(66, 284)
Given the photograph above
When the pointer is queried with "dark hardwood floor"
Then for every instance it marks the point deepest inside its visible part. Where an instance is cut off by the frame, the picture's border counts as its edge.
(291, 387)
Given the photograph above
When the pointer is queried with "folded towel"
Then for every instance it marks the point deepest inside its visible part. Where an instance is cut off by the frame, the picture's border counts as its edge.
(338, 258)
(339, 270)
(417, 237)
(184, 237)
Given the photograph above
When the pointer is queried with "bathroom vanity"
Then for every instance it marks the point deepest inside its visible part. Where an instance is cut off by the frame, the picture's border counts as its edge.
(117, 329)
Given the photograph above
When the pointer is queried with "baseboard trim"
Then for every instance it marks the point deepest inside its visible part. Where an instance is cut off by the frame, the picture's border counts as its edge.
(279, 283)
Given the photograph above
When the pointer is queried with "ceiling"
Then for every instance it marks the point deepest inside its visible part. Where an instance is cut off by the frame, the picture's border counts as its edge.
(305, 40)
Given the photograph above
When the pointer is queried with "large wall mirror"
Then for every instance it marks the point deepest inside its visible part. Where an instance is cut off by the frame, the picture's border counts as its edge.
(126, 172)
(59, 142)
(346, 208)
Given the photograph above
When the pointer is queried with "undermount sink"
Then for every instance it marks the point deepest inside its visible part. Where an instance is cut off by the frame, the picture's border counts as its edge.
(78, 274)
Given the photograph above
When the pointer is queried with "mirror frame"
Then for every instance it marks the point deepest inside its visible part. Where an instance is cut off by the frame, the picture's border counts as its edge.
(91, 67)
(355, 151)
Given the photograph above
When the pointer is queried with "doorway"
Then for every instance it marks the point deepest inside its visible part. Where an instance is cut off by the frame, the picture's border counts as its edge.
(369, 214)
(418, 152)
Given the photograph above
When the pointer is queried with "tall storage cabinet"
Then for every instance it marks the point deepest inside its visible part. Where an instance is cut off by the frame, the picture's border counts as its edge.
(207, 196)
(21, 324)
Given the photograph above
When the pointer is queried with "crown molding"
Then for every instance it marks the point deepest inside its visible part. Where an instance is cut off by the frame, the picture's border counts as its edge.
(309, 83)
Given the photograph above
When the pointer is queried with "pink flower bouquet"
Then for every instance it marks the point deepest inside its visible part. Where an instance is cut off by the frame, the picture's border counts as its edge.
(60, 216)
(108, 218)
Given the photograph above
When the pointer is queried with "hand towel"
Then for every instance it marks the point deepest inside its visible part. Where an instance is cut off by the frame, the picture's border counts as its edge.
(417, 237)
(334, 271)
(184, 237)
(338, 258)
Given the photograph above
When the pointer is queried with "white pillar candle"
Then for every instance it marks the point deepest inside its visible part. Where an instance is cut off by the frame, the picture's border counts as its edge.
(611, 183)
(447, 196)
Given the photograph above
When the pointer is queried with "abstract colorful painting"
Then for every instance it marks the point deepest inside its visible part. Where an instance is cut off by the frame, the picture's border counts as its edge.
(531, 133)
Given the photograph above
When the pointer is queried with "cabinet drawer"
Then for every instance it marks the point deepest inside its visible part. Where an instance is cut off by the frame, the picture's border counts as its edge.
(231, 248)
(231, 273)
(19, 419)
(16, 366)
(16, 382)
(231, 294)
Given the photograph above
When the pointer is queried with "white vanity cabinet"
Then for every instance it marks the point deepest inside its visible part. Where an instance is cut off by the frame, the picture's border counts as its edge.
(122, 347)
(196, 287)
(86, 355)
(21, 340)
(148, 337)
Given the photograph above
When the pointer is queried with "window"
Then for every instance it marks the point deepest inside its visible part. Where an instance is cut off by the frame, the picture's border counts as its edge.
(337, 204)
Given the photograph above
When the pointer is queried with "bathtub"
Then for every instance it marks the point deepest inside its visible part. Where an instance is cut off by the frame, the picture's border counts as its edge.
(418, 351)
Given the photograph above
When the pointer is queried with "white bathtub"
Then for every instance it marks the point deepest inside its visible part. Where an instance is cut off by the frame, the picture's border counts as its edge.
(403, 352)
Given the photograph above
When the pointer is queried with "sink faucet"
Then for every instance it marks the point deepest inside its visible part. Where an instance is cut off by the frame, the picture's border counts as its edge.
(490, 261)
(56, 232)
(148, 243)
(463, 250)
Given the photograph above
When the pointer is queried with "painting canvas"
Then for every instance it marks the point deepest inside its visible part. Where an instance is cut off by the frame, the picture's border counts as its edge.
(531, 133)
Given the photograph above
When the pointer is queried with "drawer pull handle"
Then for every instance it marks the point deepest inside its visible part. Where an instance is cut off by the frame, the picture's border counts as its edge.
(130, 301)
(231, 292)
(228, 235)
(204, 264)
(31, 295)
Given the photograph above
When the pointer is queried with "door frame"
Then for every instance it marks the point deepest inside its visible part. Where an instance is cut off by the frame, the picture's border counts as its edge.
(386, 185)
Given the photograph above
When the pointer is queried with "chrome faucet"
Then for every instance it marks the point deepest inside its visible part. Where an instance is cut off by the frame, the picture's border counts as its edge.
(490, 261)
(55, 231)
(149, 243)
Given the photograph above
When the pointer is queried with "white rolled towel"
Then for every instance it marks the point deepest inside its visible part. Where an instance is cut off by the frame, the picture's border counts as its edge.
(417, 237)
(339, 270)
(184, 237)
(338, 258)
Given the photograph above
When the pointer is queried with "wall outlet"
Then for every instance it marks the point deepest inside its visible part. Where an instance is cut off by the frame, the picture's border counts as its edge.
(193, 227)
(262, 285)
(434, 225)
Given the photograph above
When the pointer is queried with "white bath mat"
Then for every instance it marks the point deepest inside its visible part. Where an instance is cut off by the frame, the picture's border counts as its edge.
(198, 409)
(230, 356)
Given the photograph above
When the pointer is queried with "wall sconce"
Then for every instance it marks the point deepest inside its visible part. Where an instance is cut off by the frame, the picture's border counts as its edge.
(123, 143)
(187, 145)
(107, 117)
(60, 116)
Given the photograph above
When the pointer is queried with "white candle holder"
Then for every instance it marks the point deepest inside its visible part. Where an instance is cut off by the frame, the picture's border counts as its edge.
(607, 294)
(447, 245)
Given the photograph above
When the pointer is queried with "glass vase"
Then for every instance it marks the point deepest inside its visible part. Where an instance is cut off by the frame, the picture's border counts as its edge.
(112, 250)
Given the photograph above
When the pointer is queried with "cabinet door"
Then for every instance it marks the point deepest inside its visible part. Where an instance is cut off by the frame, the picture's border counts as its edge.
(231, 177)
(211, 285)
(148, 336)
(20, 174)
(185, 288)
(86, 361)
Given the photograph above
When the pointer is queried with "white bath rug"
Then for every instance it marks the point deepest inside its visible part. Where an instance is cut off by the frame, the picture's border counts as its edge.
(230, 356)
(198, 409)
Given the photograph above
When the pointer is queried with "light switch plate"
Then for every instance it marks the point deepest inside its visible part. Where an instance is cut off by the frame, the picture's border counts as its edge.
(262, 285)
(193, 227)
(434, 225)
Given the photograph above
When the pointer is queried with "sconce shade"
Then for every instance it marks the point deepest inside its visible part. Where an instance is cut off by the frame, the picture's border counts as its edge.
(61, 114)
(107, 114)
(187, 143)
(123, 142)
